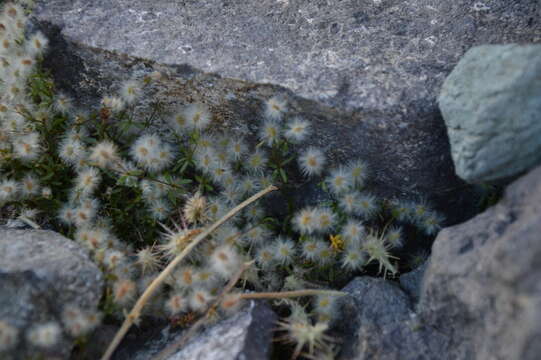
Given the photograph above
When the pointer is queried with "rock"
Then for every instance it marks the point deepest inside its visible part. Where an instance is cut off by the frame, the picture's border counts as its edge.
(408, 158)
(245, 335)
(411, 282)
(377, 55)
(40, 273)
(482, 284)
(480, 296)
(379, 323)
(491, 104)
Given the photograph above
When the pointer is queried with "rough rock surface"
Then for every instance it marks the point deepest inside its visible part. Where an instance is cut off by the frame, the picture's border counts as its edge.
(491, 104)
(369, 54)
(379, 323)
(411, 282)
(480, 294)
(482, 285)
(245, 335)
(40, 273)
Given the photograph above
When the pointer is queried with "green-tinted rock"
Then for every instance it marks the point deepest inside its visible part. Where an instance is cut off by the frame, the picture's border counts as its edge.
(491, 103)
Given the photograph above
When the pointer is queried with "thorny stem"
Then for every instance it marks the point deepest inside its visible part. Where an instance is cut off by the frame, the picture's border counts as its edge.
(136, 310)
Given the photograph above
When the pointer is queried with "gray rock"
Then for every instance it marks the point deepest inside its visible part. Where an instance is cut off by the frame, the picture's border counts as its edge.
(480, 296)
(491, 104)
(482, 286)
(40, 273)
(379, 323)
(411, 282)
(245, 335)
(376, 55)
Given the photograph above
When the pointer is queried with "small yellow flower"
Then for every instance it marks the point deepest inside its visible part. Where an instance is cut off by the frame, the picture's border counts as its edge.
(337, 243)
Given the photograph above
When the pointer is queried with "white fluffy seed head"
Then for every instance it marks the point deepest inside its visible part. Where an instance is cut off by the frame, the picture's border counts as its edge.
(130, 91)
(255, 234)
(311, 161)
(183, 278)
(325, 254)
(78, 321)
(325, 219)
(159, 209)
(353, 259)
(431, 223)
(367, 205)
(176, 303)
(124, 291)
(265, 257)
(199, 300)
(297, 130)
(305, 221)
(9, 189)
(339, 181)
(71, 151)
(87, 180)
(198, 116)
(284, 251)
(148, 260)
(269, 132)
(352, 233)
(393, 236)
(63, 103)
(349, 203)
(67, 214)
(275, 107)
(145, 148)
(46, 192)
(358, 170)
(104, 154)
(236, 149)
(257, 161)
(27, 146)
(36, 44)
(178, 121)
(195, 209)
(115, 103)
(44, 335)
(310, 249)
(326, 305)
(29, 186)
(225, 261)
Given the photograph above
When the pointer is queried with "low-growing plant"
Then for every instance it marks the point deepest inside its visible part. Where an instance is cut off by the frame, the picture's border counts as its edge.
(137, 189)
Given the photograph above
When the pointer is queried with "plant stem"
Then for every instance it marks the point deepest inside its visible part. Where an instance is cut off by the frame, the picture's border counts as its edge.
(291, 294)
(136, 310)
(185, 337)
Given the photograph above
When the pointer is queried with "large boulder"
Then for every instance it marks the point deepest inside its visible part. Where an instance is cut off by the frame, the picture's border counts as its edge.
(387, 55)
(482, 286)
(480, 293)
(42, 274)
(491, 104)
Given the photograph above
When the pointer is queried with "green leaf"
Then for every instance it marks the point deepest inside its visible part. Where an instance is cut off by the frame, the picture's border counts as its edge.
(283, 175)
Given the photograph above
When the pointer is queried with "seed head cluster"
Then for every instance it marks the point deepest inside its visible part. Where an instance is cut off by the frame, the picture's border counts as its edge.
(136, 195)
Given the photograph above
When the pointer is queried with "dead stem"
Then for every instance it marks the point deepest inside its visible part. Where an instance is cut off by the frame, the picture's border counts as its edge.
(136, 310)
